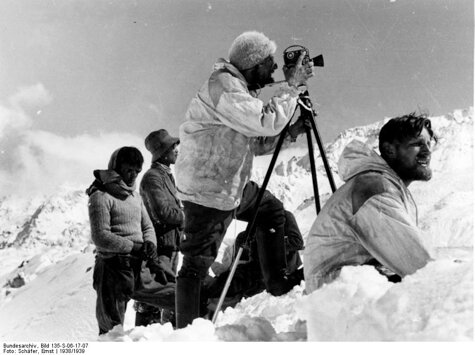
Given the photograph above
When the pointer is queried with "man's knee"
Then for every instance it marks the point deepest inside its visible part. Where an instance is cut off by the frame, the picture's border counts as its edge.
(196, 266)
(271, 211)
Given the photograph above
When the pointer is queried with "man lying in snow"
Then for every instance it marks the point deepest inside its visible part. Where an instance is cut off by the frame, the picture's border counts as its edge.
(124, 237)
(372, 218)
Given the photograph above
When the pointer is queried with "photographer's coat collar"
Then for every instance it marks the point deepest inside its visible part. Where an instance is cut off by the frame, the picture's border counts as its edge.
(223, 64)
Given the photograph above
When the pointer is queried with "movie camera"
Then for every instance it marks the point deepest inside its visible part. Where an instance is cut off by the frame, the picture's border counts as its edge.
(292, 54)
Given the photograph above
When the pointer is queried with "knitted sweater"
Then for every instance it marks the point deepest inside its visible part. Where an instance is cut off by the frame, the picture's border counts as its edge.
(116, 224)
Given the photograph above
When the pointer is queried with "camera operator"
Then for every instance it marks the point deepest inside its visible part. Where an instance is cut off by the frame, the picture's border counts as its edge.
(226, 126)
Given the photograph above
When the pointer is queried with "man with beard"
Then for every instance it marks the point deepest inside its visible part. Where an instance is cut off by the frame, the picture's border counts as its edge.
(372, 218)
(226, 126)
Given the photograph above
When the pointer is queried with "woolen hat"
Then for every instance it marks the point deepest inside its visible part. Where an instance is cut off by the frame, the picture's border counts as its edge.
(249, 49)
(159, 142)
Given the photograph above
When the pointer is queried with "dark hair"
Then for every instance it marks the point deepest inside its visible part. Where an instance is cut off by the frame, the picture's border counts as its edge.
(128, 155)
(403, 127)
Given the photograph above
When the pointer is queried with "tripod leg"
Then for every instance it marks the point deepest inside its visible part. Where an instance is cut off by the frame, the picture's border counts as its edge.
(322, 153)
(313, 170)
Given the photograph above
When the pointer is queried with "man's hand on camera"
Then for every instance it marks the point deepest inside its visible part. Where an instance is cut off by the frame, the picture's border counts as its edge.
(298, 74)
(299, 127)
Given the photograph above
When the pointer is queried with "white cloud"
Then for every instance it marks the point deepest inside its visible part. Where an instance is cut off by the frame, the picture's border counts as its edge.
(39, 161)
(13, 118)
(35, 95)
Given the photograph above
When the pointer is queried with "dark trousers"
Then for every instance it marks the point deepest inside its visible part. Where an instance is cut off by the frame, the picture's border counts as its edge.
(205, 228)
(148, 314)
(248, 280)
(114, 279)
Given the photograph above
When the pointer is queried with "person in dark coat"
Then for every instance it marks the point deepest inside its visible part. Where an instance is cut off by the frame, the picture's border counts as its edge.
(248, 280)
(123, 235)
(158, 192)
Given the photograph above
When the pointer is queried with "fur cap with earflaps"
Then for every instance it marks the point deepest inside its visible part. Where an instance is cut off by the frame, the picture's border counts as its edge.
(249, 49)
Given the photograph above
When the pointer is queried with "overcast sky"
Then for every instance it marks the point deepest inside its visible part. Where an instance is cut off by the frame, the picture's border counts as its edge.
(133, 66)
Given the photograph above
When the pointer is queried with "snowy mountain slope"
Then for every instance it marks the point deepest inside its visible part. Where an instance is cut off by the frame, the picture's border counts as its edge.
(55, 304)
(46, 253)
(59, 219)
(48, 226)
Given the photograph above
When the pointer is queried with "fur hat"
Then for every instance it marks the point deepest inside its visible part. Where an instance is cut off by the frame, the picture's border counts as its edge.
(159, 142)
(249, 49)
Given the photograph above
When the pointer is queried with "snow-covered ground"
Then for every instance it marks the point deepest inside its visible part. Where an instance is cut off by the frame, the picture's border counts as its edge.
(47, 259)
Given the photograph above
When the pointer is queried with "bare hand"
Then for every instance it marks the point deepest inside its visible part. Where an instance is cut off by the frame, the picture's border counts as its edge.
(298, 74)
(299, 127)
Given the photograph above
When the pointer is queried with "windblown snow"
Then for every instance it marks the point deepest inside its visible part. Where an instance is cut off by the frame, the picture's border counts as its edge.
(47, 260)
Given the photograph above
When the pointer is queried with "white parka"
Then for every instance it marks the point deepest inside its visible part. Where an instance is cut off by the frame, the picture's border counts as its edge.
(383, 228)
(226, 126)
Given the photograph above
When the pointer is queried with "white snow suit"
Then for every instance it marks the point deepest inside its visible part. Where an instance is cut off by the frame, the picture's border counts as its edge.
(226, 125)
(372, 216)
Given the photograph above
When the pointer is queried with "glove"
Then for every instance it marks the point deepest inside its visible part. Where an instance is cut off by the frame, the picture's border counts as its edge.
(137, 250)
(149, 250)
(161, 269)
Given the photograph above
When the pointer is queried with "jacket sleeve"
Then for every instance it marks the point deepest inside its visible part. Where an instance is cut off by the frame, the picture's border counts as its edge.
(386, 230)
(159, 200)
(249, 116)
(147, 227)
(100, 219)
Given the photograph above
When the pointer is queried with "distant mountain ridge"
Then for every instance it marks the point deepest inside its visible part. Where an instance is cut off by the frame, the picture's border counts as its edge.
(294, 172)
(57, 220)
(61, 219)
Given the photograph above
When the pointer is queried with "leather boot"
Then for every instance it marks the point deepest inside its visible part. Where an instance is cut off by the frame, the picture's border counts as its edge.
(271, 254)
(167, 315)
(187, 300)
(146, 314)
